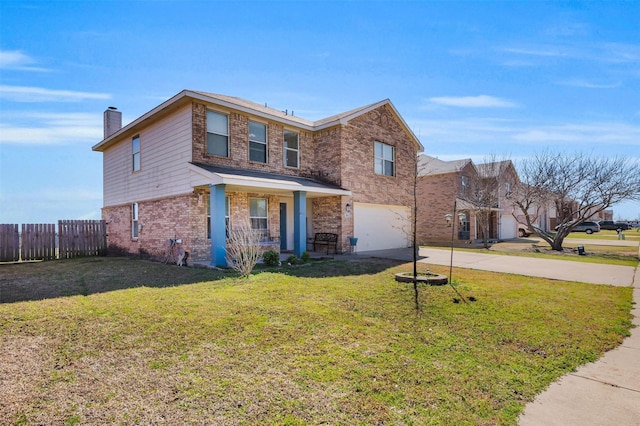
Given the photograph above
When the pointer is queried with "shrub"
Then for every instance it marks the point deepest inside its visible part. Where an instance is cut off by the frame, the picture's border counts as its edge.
(292, 260)
(305, 257)
(243, 249)
(271, 258)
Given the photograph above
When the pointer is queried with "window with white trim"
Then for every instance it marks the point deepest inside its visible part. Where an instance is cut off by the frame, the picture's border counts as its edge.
(134, 220)
(384, 157)
(217, 134)
(464, 185)
(135, 153)
(258, 215)
(257, 142)
(291, 149)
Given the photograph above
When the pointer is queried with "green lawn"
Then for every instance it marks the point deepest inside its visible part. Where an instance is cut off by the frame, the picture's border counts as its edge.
(595, 252)
(335, 342)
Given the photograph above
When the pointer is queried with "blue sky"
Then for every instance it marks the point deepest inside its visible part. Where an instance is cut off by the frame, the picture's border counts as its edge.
(472, 79)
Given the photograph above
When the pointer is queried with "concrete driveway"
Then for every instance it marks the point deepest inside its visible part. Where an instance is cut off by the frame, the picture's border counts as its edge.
(547, 268)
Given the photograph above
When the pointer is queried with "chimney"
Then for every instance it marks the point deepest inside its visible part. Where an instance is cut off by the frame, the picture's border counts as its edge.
(112, 121)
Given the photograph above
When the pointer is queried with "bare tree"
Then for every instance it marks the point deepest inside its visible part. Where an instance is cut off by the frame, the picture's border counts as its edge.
(576, 186)
(243, 248)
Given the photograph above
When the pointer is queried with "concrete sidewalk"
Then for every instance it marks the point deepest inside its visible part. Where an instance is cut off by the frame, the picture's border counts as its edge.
(605, 392)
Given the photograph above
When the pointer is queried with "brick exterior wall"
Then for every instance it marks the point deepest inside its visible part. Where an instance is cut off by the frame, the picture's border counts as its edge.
(160, 220)
(342, 155)
(436, 195)
(239, 145)
(357, 165)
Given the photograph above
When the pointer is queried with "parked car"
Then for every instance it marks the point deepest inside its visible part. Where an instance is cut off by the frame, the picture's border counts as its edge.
(588, 227)
(613, 226)
(524, 231)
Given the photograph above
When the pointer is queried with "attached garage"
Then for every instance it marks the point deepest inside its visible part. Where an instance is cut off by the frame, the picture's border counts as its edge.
(508, 227)
(380, 227)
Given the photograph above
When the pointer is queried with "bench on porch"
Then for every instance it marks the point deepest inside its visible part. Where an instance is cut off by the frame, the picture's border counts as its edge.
(325, 239)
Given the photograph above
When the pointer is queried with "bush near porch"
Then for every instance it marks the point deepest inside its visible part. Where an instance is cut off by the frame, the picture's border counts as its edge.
(338, 342)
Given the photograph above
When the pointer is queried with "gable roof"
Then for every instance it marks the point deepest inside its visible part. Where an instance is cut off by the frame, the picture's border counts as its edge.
(428, 165)
(494, 168)
(259, 110)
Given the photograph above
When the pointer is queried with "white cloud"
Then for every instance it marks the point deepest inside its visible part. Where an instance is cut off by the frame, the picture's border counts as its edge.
(38, 94)
(589, 84)
(482, 101)
(612, 53)
(493, 134)
(50, 128)
(16, 60)
(583, 134)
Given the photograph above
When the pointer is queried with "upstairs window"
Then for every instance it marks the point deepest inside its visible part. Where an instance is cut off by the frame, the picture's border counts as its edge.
(135, 152)
(291, 149)
(384, 159)
(134, 220)
(464, 185)
(257, 142)
(217, 134)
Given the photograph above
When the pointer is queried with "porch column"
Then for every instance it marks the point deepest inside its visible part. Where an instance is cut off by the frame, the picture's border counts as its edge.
(218, 231)
(299, 222)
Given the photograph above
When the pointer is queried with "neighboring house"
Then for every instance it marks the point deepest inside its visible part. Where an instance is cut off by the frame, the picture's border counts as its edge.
(502, 178)
(440, 186)
(200, 164)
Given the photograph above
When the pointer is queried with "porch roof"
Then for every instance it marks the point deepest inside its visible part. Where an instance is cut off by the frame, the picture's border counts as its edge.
(257, 181)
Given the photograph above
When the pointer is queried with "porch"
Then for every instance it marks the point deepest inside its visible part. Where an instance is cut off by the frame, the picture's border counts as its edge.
(285, 210)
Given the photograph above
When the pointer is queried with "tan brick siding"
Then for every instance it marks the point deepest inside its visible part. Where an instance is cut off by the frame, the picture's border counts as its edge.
(342, 155)
(239, 144)
(160, 220)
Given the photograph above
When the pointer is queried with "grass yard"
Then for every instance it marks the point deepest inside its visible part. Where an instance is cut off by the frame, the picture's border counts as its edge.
(118, 341)
(595, 253)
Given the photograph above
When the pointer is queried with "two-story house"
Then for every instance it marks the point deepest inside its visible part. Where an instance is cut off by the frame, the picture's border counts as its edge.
(200, 163)
(441, 187)
(501, 177)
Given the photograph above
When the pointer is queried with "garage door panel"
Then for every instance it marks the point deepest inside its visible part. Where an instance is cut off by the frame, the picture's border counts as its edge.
(508, 227)
(380, 227)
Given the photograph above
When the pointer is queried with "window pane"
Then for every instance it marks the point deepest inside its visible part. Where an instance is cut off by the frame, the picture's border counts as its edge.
(290, 140)
(217, 145)
(258, 207)
(377, 150)
(388, 152)
(378, 166)
(135, 149)
(388, 168)
(216, 123)
(257, 132)
(291, 158)
(258, 152)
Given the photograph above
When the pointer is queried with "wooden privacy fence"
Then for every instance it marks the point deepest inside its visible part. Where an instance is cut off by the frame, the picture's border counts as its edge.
(38, 241)
(75, 238)
(82, 238)
(9, 243)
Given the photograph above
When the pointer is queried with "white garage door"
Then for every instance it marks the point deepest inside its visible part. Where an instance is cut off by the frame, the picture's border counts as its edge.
(380, 227)
(508, 227)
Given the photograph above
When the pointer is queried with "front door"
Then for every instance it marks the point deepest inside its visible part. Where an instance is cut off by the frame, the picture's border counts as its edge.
(283, 226)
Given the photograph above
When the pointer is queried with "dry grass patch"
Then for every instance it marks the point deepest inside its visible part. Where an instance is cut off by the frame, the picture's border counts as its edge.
(329, 343)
